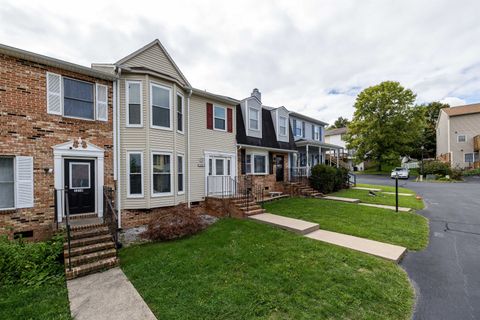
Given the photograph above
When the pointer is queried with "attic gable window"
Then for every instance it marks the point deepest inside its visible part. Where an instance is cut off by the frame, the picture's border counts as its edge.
(253, 118)
(282, 123)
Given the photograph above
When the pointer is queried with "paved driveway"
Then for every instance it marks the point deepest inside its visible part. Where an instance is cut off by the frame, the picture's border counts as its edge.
(446, 275)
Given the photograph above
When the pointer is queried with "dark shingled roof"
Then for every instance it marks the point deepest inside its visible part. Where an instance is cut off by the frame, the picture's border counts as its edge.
(269, 137)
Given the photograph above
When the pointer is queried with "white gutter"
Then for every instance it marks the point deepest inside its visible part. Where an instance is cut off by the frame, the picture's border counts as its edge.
(117, 133)
(188, 151)
(265, 148)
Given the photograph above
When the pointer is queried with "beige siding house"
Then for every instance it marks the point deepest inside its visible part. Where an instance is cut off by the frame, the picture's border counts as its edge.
(457, 130)
(162, 138)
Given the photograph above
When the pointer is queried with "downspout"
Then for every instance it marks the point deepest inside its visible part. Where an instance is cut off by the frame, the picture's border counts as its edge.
(188, 167)
(117, 133)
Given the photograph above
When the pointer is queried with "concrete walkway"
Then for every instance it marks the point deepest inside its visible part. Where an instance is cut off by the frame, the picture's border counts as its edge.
(383, 206)
(290, 224)
(106, 295)
(312, 231)
(400, 194)
(342, 199)
(368, 189)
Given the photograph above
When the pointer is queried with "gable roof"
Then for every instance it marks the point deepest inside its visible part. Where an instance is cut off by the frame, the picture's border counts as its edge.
(53, 62)
(304, 117)
(462, 110)
(269, 135)
(335, 131)
(147, 47)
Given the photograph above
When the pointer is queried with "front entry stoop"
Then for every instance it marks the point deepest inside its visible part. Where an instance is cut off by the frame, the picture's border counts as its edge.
(92, 249)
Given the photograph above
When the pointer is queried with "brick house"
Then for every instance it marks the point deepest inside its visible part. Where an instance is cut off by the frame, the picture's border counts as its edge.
(56, 130)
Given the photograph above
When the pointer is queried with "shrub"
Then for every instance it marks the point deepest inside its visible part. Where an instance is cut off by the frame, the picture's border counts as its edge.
(472, 172)
(437, 167)
(456, 174)
(28, 263)
(327, 179)
(177, 223)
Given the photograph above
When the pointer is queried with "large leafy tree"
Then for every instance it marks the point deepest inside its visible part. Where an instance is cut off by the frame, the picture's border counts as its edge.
(428, 140)
(341, 122)
(385, 124)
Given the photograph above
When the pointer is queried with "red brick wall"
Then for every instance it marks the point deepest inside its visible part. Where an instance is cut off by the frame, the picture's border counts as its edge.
(27, 130)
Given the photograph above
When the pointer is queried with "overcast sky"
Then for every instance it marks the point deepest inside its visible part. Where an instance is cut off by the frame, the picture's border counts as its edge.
(309, 56)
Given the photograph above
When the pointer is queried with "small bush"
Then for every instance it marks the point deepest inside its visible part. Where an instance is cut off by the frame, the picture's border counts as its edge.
(327, 179)
(472, 172)
(437, 168)
(456, 174)
(28, 263)
(177, 223)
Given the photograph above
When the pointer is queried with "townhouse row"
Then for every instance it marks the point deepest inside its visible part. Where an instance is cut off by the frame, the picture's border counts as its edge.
(139, 128)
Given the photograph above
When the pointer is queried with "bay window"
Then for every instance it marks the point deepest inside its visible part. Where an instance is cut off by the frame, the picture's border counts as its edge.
(180, 175)
(160, 106)
(135, 174)
(161, 174)
(134, 104)
(179, 113)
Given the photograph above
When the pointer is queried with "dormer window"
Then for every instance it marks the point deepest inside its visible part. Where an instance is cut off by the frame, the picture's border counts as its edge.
(219, 118)
(282, 124)
(253, 117)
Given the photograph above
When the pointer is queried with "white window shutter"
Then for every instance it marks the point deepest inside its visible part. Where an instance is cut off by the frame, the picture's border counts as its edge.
(24, 182)
(102, 102)
(54, 93)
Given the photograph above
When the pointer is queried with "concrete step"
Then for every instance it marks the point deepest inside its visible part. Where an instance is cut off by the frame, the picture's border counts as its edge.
(91, 257)
(342, 199)
(254, 212)
(376, 248)
(251, 207)
(295, 225)
(89, 249)
(89, 268)
(383, 206)
(87, 233)
(87, 241)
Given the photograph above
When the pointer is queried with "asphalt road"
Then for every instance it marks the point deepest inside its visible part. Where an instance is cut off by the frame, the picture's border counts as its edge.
(446, 275)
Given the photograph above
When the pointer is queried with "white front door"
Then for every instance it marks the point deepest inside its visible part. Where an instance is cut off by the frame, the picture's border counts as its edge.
(219, 179)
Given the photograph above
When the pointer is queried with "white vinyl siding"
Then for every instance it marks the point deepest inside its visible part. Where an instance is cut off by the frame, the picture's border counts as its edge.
(162, 172)
(160, 111)
(134, 112)
(135, 174)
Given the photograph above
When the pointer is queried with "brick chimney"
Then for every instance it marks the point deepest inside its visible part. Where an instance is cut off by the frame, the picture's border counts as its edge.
(257, 94)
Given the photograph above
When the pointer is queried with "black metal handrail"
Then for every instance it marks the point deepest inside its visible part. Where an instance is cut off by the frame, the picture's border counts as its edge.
(352, 179)
(110, 216)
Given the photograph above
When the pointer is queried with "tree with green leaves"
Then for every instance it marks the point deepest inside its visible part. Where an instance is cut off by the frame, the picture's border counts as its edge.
(385, 124)
(341, 122)
(428, 140)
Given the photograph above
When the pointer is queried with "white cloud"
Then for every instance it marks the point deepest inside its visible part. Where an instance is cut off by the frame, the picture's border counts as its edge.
(310, 56)
(453, 101)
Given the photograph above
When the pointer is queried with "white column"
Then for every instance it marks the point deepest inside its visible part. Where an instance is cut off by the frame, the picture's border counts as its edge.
(307, 156)
(58, 184)
(338, 164)
(100, 170)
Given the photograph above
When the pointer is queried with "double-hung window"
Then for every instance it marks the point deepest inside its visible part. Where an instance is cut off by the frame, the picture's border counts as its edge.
(16, 182)
(135, 174)
(317, 133)
(253, 118)
(220, 118)
(179, 113)
(134, 104)
(160, 106)
(469, 157)
(256, 164)
(180, 174)
(282, 123)
(7, 183)
(299, 128)
(161, 173)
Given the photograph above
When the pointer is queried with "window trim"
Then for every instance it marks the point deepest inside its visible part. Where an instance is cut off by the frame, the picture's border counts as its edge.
(316, 129)
(183, 173)
(183, 112)
(258, 120)
(135, 195)
(161, 194)
(127, 104)
(226, 116)
(252, 163)
(70, 165)
(170, 113)
(62, 96)
(297, 122)
(461, 135)
(14, 184)
(280, 127)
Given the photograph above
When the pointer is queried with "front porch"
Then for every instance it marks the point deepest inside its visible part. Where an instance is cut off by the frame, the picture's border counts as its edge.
(311, 153)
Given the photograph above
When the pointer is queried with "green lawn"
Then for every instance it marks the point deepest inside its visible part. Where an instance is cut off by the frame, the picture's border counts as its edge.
(404, 228)
(382, 198)
(45, 302)
(239, 269)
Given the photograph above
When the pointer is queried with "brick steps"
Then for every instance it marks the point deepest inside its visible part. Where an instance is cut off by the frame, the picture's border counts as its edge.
(92, 267)
(303, 189)
(254, 212)
(92, 249)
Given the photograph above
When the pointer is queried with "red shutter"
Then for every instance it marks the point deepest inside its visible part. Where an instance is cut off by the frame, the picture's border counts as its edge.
(229, 120)
(209, 116)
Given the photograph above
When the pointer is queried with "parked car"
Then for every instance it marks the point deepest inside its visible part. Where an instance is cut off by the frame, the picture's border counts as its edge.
(402, 173)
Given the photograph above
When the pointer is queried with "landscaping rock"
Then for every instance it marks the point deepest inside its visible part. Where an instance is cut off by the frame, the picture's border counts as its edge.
(133, 236)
